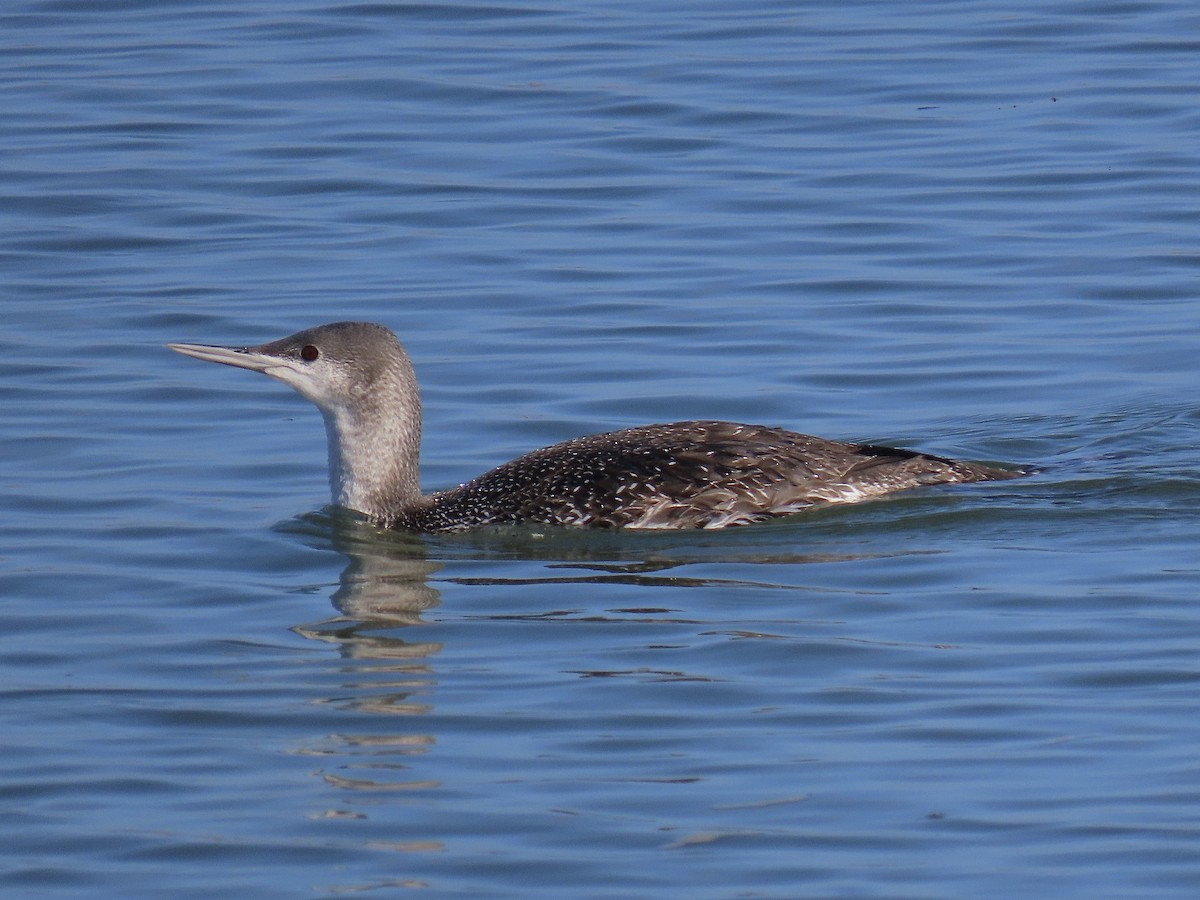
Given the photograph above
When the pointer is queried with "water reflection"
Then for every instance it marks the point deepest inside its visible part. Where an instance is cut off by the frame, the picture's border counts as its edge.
(385, 583)
(388, 582)
(382, 592)
(386, 675)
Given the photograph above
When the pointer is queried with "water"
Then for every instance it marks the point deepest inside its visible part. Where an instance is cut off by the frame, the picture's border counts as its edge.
(965, 227)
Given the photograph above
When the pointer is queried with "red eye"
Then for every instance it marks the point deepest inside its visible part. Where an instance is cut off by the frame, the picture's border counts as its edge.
(308, 353)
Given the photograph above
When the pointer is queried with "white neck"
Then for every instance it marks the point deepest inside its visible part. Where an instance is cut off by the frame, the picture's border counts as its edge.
(374, 447)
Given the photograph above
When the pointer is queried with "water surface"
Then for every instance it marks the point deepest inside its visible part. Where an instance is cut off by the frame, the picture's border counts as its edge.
(964, 227)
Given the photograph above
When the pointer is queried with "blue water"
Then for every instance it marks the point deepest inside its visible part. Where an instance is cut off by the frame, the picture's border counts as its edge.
(966, 227)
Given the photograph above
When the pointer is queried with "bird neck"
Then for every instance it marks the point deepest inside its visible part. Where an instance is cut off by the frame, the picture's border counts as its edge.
(374, 452)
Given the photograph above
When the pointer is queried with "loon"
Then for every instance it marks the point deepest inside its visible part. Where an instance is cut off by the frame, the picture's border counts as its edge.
(698, 474)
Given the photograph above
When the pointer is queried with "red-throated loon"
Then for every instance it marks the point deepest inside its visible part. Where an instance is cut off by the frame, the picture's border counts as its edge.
(680, 475)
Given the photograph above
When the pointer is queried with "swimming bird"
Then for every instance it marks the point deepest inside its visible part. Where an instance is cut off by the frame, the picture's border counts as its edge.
(698, 474)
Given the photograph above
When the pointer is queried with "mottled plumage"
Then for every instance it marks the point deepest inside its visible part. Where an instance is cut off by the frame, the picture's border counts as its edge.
(699, 474)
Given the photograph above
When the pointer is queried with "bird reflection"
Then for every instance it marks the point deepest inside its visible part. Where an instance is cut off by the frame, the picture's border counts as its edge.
(386, 677)
(383, 631)
(384, 585)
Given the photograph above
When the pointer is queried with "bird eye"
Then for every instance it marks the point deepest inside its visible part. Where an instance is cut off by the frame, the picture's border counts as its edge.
(308, 353)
